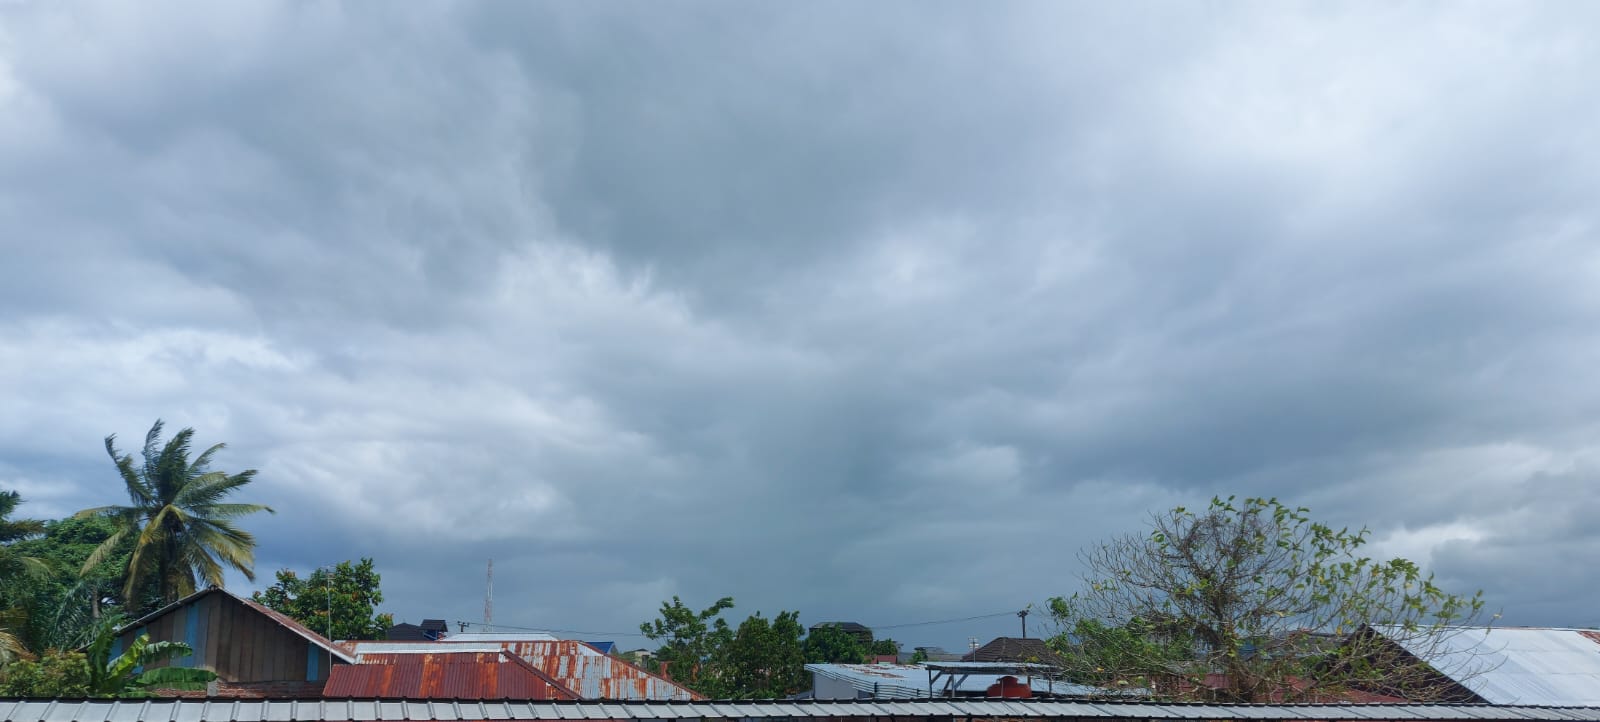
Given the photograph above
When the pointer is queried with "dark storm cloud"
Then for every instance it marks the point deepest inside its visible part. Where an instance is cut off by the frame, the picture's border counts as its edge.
(880, 313)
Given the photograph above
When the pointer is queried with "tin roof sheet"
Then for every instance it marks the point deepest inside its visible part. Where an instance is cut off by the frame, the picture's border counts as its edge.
(575, 665)
(1515, 665)
(367, 710)
(443, 675)
(907, 681)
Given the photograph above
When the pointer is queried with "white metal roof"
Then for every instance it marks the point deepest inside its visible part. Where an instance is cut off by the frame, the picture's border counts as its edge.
(906, 681)
(499, 637)
(366, 710)
(1517, 665)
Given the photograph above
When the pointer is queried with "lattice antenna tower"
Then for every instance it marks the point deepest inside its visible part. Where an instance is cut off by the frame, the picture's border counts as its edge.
(488, 600)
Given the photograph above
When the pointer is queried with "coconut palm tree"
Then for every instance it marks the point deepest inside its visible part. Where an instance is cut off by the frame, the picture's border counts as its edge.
(179, 518)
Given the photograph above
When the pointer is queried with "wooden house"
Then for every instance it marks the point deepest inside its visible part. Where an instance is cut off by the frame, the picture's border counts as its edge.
(255, 651)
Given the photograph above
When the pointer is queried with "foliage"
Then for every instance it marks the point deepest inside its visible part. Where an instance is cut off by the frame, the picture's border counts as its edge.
(830, 644)
(96, 673)
(763, 660)
(179, 518)
(884, 648)
(349, 595)
(690, 642)
(136, 671)
(919, 656)
(54, 674)
(1260, 593)
(62, 607)
(17, 571)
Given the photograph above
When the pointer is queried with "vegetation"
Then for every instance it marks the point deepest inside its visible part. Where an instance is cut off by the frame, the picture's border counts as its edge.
(762, 658)
(1271, 604)
(178, 517)
(16, 568)
(341, 604)
(97, 673)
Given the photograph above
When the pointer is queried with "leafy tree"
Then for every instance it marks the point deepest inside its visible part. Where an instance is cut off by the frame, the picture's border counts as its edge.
(16, 569)
(1278, 604)
(54, 674)
(884, 648)
(178, 516)
(690, 643)
(348, 596)
(832, 645)
(763, 660)
(63, 606)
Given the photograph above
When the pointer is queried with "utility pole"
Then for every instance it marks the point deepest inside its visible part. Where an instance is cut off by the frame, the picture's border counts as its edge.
(1024, 616)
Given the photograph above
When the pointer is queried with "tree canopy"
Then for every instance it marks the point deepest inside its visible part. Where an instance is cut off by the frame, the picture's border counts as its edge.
(341, 604)
(179, 517)
(1249, 601)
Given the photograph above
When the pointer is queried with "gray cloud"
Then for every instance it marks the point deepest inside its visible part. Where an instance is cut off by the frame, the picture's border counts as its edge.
(880, 313)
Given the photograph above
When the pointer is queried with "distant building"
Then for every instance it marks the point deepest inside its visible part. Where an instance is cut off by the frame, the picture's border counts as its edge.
(861, 632)
(927, 654)
(1015, 649)
(429, 630)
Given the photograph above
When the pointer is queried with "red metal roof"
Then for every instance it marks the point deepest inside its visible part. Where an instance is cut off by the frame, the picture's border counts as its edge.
(443, 675)
(578, 667)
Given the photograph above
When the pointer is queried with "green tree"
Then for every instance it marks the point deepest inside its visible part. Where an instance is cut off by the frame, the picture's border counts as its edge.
(884, 648)
(341, 604)
(17, 572)
(1259, 592)
(179, 517)
(832, 645)
(690, 643)
(763, 659)
(63, 606)
(55, 674)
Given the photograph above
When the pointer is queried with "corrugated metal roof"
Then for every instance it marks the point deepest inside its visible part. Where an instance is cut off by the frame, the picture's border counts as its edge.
(577, 666)
(446, 675)
(906, 681)
(374, 710)
(1515, 665)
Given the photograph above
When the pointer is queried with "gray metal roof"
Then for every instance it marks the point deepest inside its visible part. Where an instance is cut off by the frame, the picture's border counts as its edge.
(907, 681)
(1516, 665)
(366, 710)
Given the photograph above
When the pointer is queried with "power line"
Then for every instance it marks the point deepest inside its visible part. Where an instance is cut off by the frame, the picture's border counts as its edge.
(874, 627)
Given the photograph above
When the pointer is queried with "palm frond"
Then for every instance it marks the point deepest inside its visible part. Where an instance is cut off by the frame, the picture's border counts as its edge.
(212, 487)
(105, 550)
(227, 511)
(132, 481)
(202, 463)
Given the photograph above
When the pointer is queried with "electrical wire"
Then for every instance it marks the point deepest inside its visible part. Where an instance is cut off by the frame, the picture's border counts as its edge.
(873, 627)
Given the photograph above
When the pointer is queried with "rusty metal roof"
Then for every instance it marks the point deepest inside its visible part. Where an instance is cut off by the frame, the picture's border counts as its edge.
(443, 675)
(574, 664)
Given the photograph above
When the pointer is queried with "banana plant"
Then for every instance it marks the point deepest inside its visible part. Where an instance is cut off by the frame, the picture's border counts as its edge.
(128, 675)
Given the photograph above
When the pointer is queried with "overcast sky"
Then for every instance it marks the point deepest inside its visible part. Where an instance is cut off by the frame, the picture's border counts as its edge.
(876, 311)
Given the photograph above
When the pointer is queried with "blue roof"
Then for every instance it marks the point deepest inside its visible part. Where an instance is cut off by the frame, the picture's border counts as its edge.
(604, 647)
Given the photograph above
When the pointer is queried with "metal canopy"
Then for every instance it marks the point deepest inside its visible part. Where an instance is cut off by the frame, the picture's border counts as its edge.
(367, 710)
